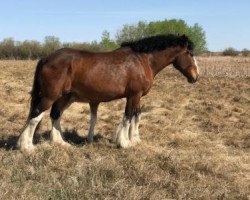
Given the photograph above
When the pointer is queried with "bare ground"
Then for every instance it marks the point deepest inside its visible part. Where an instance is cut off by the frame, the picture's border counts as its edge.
(195, 140)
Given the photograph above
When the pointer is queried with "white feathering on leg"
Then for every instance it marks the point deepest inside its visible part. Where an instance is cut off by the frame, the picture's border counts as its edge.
(134, 130)
(56, 133)
(122, 137)
(25, 141)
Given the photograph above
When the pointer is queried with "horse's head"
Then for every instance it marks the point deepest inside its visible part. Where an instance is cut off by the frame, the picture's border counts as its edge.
(187, 65)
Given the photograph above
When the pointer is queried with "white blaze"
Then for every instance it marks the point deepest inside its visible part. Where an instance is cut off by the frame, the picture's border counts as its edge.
(197, 68)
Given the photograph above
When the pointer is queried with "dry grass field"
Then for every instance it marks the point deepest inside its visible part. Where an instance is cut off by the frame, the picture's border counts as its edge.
(195, 140)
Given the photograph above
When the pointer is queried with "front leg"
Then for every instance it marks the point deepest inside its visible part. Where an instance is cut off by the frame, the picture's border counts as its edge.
(127, 131)
(93, 118)
(121, 135)
(134, 135)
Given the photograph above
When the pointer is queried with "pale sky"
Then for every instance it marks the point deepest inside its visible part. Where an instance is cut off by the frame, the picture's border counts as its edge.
(226, 22)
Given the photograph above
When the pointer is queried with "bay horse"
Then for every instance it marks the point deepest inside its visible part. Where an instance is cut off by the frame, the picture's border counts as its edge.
(70, 75)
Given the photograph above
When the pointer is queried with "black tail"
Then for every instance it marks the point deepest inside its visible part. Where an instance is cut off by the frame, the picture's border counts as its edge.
(35, 92)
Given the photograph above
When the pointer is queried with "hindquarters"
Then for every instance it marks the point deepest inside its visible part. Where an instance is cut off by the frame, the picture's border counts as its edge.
(51, 81)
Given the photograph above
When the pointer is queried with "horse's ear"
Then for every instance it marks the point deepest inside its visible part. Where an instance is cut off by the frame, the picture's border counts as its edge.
(184, 40)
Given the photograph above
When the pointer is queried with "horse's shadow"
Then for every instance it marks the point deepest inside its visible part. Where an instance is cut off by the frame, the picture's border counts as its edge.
(8, 143)
(70, 136)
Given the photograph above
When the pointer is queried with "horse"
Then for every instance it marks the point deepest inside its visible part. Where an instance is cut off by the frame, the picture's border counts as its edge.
(69, 75)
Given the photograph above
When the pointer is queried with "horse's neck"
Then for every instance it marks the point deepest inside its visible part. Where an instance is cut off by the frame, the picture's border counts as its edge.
(161, 59)
(123, 49)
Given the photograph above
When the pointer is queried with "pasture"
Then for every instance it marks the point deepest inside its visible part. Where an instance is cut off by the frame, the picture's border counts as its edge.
(195, 140)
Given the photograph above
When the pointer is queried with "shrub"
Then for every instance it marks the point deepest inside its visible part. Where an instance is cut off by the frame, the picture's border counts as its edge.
(131, 32)
(230, 52)
(245, 52)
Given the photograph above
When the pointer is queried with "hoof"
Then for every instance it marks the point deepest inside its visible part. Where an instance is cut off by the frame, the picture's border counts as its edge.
(65, 144)
(90, 139)
(62, 143)
(125, 144)
(26, 148)
(135, 141)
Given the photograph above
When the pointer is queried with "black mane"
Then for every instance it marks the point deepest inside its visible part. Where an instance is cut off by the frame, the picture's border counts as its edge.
(159, 43)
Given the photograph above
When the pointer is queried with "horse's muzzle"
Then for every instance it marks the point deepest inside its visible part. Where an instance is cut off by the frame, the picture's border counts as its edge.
(193, 80)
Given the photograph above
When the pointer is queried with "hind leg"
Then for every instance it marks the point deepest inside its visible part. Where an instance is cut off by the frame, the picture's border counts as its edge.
(25, 141)
(56, 112)
(93, 117)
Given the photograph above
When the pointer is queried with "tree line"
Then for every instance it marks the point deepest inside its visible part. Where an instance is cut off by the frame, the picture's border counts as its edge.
(230, 51)
(32, 49)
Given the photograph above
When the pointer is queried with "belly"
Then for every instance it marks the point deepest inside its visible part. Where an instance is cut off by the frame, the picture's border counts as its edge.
(98, 92)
